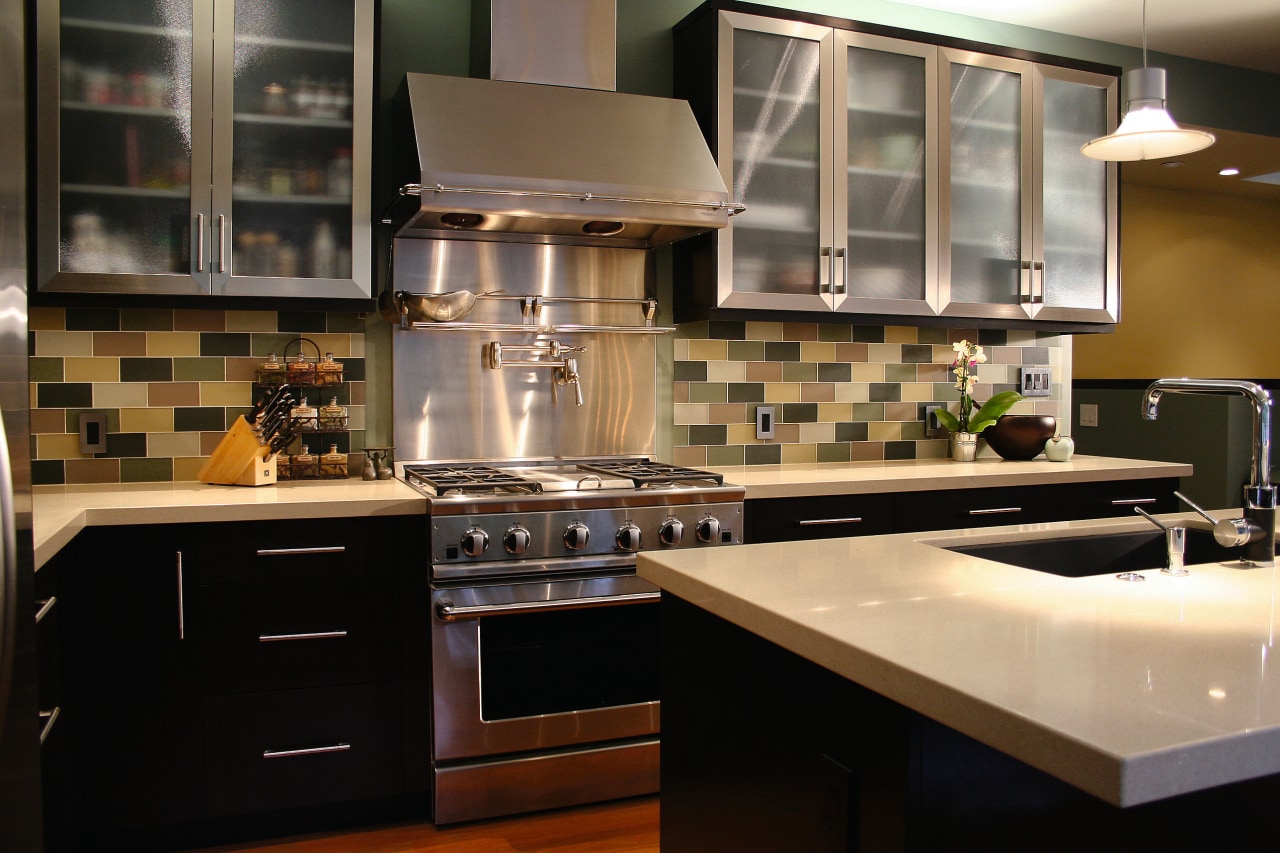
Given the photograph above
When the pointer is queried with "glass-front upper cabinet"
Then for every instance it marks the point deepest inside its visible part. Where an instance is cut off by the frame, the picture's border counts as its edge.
(174, 162)
(1029, 223)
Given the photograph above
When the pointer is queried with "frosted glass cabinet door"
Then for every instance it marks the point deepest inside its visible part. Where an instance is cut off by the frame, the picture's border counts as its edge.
(118, 84)
(887, 131)
(988, 215)
(780, 248)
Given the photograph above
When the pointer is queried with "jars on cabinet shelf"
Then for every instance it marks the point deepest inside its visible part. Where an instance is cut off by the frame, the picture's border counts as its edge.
(328, 372)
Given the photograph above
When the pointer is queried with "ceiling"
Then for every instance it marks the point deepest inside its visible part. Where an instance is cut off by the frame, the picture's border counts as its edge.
(1242, 33)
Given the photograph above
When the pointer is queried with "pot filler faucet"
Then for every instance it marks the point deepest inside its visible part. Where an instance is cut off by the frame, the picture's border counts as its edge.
(1257, 530)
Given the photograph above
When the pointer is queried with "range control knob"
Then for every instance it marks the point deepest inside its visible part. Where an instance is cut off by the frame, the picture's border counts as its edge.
(576, 536)
(671, 531)
(516, 540)
(628, 537)
(474, 542)
(708, 529)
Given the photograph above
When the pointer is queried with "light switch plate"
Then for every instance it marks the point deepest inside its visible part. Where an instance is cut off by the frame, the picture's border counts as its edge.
(93, 432)
(1036, 381)
(932, 427)
(1088, 414)
(765, 421)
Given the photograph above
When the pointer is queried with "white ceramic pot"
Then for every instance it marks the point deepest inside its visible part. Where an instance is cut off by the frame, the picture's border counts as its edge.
(1059, 448)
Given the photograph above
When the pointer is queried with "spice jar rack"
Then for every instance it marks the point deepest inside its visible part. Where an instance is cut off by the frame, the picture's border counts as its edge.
(318, 418)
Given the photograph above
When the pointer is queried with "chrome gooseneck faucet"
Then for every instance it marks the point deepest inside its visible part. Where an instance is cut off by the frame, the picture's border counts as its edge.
(1257, 530)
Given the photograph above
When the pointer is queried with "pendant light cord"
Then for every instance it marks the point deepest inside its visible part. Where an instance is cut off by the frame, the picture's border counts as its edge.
(1144, 33)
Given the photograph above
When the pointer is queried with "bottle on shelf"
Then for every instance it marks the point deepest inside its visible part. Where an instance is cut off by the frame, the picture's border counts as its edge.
(324, 251)
(306, 418)
(304, 465)
(340, 173)
(301, 371)
(304, 97)
(333, 416)
(333, 463)
(271, 371)
(275, 100)
(328, 371)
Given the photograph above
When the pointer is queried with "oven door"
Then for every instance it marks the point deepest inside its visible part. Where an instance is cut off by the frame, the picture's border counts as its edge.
(535, 665)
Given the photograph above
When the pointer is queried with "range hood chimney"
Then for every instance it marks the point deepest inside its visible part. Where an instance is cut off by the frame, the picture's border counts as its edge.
(545, 151)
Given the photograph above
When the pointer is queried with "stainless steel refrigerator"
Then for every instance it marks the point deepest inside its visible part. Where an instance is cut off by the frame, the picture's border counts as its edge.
(19, 719)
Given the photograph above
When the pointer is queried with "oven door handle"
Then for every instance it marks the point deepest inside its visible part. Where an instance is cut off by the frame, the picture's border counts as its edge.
(447, 611)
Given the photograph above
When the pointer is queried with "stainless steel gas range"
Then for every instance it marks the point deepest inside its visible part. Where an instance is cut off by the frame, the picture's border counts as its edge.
(545, 687)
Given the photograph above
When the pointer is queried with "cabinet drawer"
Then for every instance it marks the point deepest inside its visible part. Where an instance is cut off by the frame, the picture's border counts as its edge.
(792, 519)
(291, 748)
(297, 549)
(272, 636)
(960, 508)
(1108, 500)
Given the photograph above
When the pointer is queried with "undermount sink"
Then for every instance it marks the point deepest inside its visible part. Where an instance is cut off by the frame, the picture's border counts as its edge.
(1100, 554)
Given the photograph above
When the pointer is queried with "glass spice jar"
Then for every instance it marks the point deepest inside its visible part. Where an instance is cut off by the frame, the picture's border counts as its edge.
(301, 371)
(283, 469)
(333, 416)
(271, 371)
(333, 463)
(306, 418)
(328, 371)
(305, 465)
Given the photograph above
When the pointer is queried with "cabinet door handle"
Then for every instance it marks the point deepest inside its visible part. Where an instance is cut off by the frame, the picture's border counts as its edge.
(996, 511)
(1024, 281)
(826, 264)
(293, 552)
(843, 285)
(314, 635)
(45, 606)
(1132, 501)
(199, 242)
(48, 718)
(806, 522)
(1037, 294)
(222, 243)
(182, 608)
(315, 750)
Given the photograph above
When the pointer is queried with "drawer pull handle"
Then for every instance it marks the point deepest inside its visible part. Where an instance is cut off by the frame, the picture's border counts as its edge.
(49, 718)
(315, 635)
(1132, 501)
(45, 606)
(315, 750)
(806, 522)
(447, 611)
(293, 552)
(997, 511)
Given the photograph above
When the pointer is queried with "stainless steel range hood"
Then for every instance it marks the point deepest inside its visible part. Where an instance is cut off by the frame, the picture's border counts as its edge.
(530, 162)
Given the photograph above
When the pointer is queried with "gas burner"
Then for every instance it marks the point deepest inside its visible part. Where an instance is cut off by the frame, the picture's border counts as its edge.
(459, 479)
(646, 473)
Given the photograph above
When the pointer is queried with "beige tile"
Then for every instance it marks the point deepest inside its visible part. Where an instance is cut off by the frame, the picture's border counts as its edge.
(173, 344)
(800, 332)
(919, 392)
(708, 350)
(242, 369)
(782, 392)
(358, 391)
(338, 344)
(209, 442)
(741, 434)
(817, 351)
(757, 331)
(226, 394)
(884, 431)
(64, 343)
(46, 319)
(680, 392)
(786, 433)
(358, 346)
(199, 320)
(48, 420)
(852, 352)
(764, 371)
(799, 454)
(187, 469)
(689, 457)
(835, 412)
(1021, 338)
(690, 413)
(58, 446)
(900, 334)
(120, 343)
(866, 451)
(1053, 408)
(730, 413)
(251, 321)
(173, 394)
(818, 392)
(853, 392)
(1004, 355)
(146, 420)
(884, 353)
(934, 372)
(817, 433)
(103, 369)
(870, 372)
(727, 371)
(161, 445)
(900, 411)
(680, 349)
(119, 395)
(931, 449)
(84, 471)
(357, 417)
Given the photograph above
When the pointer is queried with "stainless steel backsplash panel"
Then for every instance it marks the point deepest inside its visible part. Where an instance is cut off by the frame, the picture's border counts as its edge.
(447, 402)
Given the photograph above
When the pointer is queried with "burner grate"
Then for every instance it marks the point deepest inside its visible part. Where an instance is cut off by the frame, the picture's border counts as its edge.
(470, 478)
(644, 473)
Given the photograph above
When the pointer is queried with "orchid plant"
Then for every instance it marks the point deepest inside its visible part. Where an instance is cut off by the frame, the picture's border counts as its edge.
(965, 368)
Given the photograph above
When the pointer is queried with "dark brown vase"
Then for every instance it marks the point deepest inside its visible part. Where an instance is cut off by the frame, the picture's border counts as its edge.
(1020, 437)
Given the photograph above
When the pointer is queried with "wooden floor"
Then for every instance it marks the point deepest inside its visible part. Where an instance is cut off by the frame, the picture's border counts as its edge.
(625, 825)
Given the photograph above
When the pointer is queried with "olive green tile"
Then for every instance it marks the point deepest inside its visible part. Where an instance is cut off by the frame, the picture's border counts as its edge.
(833, 333)
(199, 369)
(44, 369)
(727, 455)
(345, 322)
(142, 470)
(899, 373)
(146, 319)
(931, 335)
(746, 350)
(263, 344)
(837, 452)
(868, 412)
(799, 371)
(707, 392)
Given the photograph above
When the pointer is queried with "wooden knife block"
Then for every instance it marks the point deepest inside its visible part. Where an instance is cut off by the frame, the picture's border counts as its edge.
(239, 460)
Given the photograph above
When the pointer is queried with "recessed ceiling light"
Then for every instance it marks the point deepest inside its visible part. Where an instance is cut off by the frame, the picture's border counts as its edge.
(1229, 172)
(1173, 164)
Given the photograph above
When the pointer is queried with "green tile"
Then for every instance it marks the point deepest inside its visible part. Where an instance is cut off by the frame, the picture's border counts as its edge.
(199, 419)
(146, 370)
(73, 419)
(832, 333)
(746, 350)
(761, 454)
(706, 392)
(146, 470)
(885, 392)
(992, 337)
(868, 412)
(64, 395)
(302, 322)
(799, 413)
(690, 371)
(224, 343)
(146, 319)
(851, 431)
(746, 392)
(93, 319)
(708, 434)
(341, 322)
(262, 344)
(900, 373)
(835, 372)
(868, 334)
(838, 452)
(782, 350)
(917, 353)
(730, 455)
(727, 330)
(931, 335)
(199, 369)
(680, 435)
(44, 369)
(126, 444)
(914, 431)
(48, 472)
(899, 450)
(799, 371)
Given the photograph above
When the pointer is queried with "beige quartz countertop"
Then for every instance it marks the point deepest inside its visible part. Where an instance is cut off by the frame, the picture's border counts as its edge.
(918, 475)
(59, 512)
(1131, 691)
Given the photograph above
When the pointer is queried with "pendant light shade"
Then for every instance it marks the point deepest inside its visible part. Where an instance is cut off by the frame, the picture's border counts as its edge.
(1147, 131)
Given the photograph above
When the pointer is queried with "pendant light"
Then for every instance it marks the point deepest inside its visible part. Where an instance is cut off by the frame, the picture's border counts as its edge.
(1147, 131)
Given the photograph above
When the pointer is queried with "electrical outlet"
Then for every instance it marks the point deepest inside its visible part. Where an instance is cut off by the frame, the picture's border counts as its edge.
(764, 421)
(931, 426)
(1036, 381)
(93, 432)
(1088, 414)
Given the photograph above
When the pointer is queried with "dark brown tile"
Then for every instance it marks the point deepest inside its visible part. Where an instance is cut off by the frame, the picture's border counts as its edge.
(92, 471)
(866, 451)
(48, 421)
(851, 352)
(173, 393)
(199, 320)
(764, 371)
(800, 331)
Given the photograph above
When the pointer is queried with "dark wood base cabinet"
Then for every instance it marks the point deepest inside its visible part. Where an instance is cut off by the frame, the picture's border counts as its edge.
(765, 751)
(222, 682)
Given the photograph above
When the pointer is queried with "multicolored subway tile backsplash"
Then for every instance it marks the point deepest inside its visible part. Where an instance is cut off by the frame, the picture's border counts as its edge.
(170, 381)
(840, 393)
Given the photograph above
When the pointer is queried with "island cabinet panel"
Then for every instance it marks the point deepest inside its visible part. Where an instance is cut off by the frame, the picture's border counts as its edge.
(818, 763)
(793, 519)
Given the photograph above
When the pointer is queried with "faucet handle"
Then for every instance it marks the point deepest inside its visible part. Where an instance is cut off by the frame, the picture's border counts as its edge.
(1228, 532)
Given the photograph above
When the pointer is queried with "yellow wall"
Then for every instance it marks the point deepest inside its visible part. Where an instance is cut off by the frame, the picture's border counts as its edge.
(1200, 290)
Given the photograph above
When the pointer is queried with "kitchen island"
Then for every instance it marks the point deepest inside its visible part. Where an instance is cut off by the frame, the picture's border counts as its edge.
(887, 692)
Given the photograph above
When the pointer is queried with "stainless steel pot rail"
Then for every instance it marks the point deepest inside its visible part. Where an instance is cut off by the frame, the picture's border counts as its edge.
(731, 207)
(531, 310)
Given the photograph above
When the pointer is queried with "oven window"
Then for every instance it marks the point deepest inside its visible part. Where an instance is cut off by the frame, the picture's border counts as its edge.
(570, 660)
